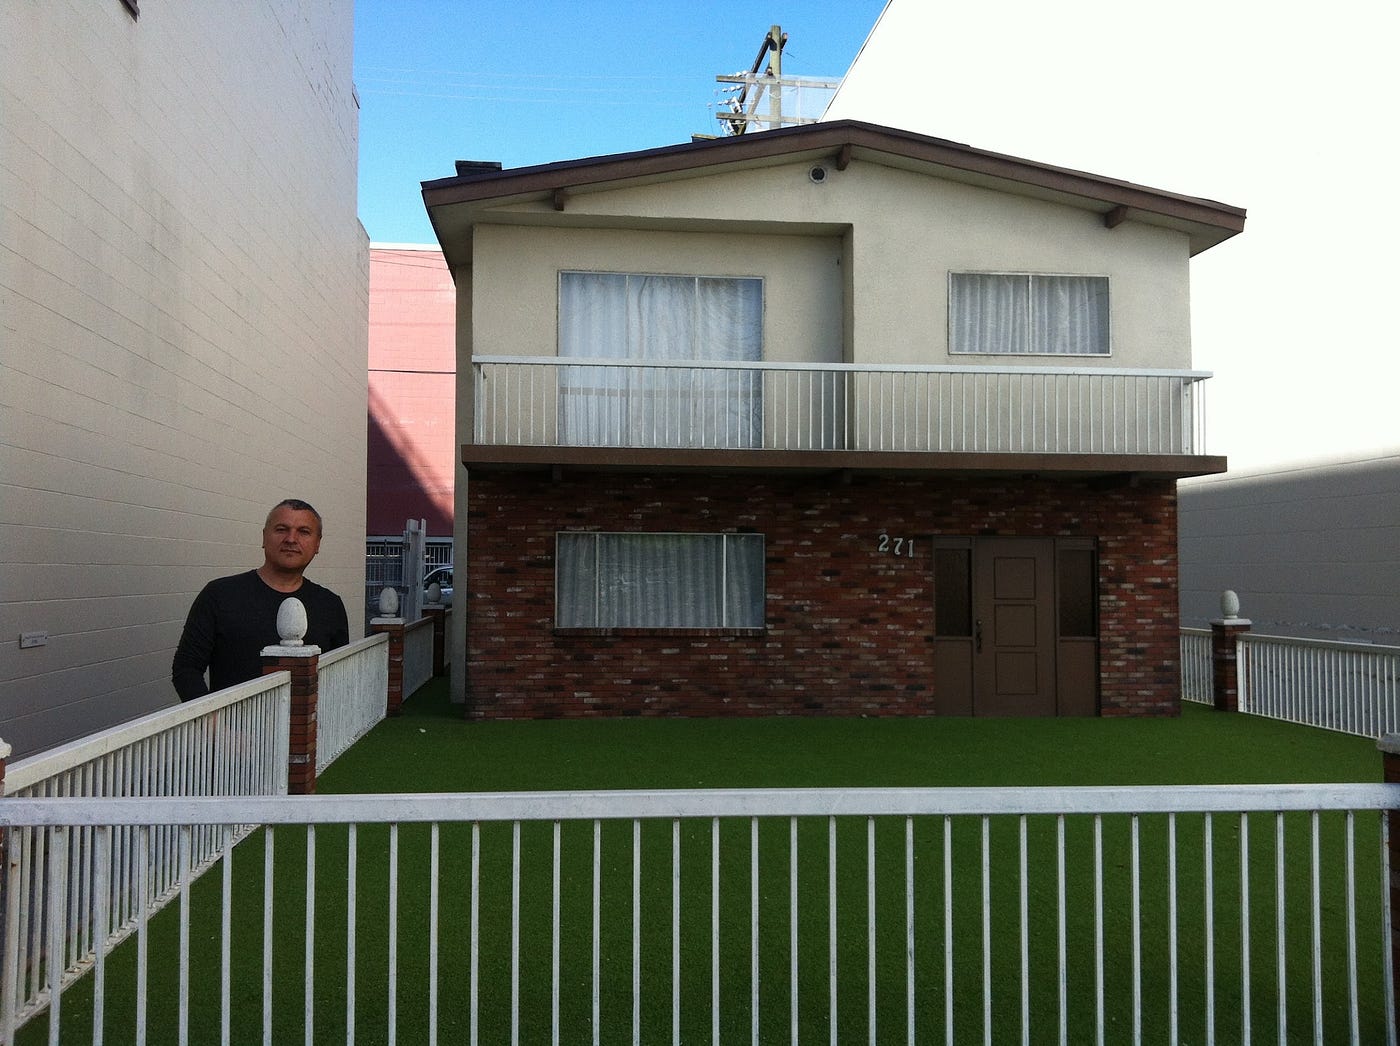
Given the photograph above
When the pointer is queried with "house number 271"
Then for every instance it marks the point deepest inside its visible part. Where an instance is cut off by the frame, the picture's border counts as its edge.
(896, 546)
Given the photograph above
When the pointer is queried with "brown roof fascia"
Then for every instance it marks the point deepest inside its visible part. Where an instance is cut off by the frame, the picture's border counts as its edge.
(841, 137)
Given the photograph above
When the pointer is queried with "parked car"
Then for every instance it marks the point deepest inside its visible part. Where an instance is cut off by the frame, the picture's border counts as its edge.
(443, 576)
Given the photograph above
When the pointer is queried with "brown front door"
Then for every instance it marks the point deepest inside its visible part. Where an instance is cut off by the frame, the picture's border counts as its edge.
(1015, 630)
(1013, 606)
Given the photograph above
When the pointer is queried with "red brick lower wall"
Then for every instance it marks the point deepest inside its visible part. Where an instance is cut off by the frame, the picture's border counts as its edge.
(849, 628)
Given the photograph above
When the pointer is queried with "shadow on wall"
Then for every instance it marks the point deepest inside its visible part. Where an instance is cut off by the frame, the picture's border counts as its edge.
(1311, 549)
(410, 477)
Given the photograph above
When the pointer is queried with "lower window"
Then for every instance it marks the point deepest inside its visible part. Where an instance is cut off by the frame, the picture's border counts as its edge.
(610, 580)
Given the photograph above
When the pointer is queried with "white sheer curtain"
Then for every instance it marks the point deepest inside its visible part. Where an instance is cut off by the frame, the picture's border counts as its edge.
(659, 580)
(636, 317)
(1010, 314)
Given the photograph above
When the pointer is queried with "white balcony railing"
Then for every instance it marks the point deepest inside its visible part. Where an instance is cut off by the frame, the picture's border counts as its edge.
(549, 401)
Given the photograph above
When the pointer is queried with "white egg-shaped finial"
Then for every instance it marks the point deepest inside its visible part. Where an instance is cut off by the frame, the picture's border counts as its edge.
(434, 593)
(291, 621)
(388, 601)
(1229, 604)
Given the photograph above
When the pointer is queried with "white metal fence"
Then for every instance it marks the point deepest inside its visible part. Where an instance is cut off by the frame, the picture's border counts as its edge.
(1353, 688)
(1197, 669)
(552, 401)
(353, 681)
(417, 654)
(60, 910)
(1071, 915)
(1350, 687)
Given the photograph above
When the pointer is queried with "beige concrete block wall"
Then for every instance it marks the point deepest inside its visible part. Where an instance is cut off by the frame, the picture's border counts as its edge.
(1309, 547)
(183, 313)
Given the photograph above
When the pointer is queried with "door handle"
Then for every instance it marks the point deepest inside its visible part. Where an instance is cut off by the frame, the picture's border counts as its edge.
(977, 635)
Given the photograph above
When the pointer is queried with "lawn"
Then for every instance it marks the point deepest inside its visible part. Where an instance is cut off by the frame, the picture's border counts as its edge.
(430, 748)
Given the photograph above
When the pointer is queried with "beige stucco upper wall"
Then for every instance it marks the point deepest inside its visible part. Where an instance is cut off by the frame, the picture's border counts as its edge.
(902, 233)
(184, 278)
(517, 273)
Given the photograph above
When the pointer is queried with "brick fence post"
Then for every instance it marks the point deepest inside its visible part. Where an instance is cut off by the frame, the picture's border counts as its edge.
(303, 662)
(1224, 653)
(1389, 745)
(438, 613)
(390, 623)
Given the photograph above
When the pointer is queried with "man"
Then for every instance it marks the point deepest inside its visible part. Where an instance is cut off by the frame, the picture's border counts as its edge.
(234, 617)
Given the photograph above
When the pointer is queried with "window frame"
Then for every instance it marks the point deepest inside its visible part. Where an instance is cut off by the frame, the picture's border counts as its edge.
(722, 628)
(1030, 278)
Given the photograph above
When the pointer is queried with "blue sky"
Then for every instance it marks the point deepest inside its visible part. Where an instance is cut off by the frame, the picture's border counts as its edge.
(534, 81)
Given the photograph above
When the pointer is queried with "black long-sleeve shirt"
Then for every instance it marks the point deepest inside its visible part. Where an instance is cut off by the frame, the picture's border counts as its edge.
(233, 618)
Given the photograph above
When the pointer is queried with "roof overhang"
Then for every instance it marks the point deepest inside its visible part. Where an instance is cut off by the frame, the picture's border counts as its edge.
(455, 204)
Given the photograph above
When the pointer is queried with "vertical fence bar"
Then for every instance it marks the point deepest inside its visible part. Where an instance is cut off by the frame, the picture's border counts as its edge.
(792, 924)
(351, 878)
(909, 927)
(987, 931)
(143, 916)
(831, 926)
(1137, 928)
(392, 1018)
(268, 862)
(1061, 934)
(474, 932)
(870, 919)
(1098, 930)
(309, 957)
(636, 933)
(1208, 901)
(183, 841)
(1245, 1019)
(1387, 915)
(675, 932)
(554, 936)
(225, 941)
(948, 930)
(102, 898)
(1353, 1004)
(1279, 930)
(714, 930)
(1025, 911)
(1173, 986)
(515, 933)
(434, 857)
(597, 972)
(57, 888)
(753, 929)
(1315, 880)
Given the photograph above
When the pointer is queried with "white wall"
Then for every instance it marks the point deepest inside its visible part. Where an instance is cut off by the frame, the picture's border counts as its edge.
(183, 311)
(1311, 549)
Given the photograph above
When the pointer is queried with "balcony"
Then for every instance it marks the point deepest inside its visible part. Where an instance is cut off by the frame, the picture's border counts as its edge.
(544, 409)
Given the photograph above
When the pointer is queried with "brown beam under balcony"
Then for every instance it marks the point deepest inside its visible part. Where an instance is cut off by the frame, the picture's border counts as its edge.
(1110, 467)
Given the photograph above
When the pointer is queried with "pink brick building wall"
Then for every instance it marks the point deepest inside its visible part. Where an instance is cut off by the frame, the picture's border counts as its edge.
(412, 390)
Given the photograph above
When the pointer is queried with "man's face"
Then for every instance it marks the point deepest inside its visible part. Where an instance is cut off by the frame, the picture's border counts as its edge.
(291, 539)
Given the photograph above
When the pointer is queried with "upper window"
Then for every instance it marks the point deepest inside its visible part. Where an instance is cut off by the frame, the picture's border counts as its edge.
(655, 326)
(1009, 314)
(609, 580)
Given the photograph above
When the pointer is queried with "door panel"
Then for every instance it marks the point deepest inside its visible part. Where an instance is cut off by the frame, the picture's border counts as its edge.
(1014, 608)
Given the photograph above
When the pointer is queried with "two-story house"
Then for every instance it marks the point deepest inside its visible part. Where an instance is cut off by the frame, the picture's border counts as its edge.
(833, 419)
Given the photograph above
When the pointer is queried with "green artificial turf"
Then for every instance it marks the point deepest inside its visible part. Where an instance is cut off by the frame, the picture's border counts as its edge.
(432, 748)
